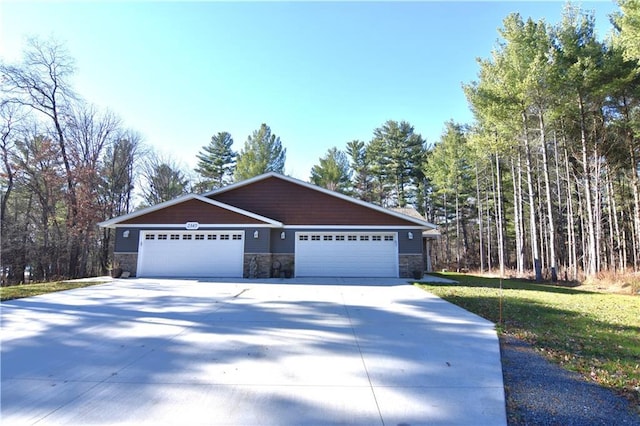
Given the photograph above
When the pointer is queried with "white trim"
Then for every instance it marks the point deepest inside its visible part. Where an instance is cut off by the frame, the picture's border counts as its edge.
(389, 228)
(344, 228)
(200, 228)
(431, 234)
(422, 223)
(111, 223)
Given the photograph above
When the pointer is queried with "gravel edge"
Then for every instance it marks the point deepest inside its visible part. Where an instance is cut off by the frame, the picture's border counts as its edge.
(539, 392)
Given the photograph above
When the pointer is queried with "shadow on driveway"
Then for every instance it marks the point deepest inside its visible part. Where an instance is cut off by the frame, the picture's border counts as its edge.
(192, 352)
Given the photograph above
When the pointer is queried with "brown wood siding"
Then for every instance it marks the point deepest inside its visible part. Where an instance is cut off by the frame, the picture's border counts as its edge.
(294, 204)
(193, 211)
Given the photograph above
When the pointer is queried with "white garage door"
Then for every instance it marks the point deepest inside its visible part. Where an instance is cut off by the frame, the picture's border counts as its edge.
(346, 254)
(191, 254)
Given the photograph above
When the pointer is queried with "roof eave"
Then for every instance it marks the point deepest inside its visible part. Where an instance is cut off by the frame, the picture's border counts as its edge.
(112, 223)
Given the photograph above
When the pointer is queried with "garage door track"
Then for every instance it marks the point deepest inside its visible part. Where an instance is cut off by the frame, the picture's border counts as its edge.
(248, 353)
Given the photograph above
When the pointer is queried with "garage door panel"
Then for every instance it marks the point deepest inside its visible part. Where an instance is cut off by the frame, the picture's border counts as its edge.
(346, 254)
(191, 254)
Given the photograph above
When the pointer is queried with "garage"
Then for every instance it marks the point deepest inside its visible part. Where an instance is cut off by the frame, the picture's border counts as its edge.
(346, 254)
(191, 253)
(244, 229)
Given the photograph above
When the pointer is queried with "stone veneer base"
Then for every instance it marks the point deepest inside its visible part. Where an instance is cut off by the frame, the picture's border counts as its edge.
(411, 264)
(127, 262)
(265, 264)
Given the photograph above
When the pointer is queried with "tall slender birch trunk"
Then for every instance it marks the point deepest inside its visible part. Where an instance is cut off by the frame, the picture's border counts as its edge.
(480, 238)
(517, 215)
(499, 221)
(458, 254)
(535, 253)
(488, 227)
(551, 223)
(635, 187)
(590, 249)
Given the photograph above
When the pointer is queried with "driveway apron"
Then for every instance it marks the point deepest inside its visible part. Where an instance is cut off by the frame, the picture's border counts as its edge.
(247, 352)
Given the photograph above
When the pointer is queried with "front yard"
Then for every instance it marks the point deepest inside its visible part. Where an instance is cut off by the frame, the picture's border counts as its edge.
(595, 334)
(28, 290)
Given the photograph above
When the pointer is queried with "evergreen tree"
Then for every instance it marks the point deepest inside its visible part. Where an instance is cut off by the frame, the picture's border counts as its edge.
(362, 174)
(216, 162)
(450, 171)
(628, 25)
(399, 153)
(262, 153)
(333, 171)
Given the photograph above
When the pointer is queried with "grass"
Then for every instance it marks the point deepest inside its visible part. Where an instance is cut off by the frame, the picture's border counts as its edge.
(595, 334)
(28, 290)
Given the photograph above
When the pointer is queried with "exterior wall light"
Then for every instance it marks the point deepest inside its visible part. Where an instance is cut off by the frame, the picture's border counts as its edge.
(283, 235)
(410, 235)
(125, 234)
(256, 234)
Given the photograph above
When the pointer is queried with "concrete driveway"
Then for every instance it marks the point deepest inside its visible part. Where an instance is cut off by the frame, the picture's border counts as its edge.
(189, 352)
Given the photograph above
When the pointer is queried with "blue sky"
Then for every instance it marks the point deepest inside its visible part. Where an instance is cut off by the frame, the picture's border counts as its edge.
(320, 74)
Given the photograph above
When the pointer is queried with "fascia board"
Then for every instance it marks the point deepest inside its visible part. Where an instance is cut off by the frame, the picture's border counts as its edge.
(355, 227)
(201, 226)
(112, 223)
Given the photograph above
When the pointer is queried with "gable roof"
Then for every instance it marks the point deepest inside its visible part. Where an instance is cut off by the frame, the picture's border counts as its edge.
(130, 219)
(310, 206)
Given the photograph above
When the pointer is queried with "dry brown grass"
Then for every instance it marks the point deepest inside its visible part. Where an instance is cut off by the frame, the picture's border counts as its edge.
(614, 282)
(626, 282)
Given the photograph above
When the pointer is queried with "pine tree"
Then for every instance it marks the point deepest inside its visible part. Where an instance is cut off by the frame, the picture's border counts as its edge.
(216, 162)
(399, 156)
(333, 171)
(262, 153)
(362, 174)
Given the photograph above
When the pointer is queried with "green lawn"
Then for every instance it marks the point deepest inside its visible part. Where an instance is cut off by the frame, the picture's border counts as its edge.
(27, 290)
(596, 334)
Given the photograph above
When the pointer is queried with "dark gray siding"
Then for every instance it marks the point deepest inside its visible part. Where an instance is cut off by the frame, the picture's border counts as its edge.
(257, 245)
(407, 246)
(278, 245)
(127, 245)
(270, 241)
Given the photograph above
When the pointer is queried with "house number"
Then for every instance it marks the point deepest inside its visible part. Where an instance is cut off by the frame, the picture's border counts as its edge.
(193, 225)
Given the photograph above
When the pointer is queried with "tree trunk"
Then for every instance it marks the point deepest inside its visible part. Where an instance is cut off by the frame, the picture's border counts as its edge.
(516, 177)
(446, 232)
(583, 228)
(597, 210)
(535, 254)
(590, 252)
(561, 251)
(499, 221)
(458, 254)
(479, 202)
(614, 228)
(571, 234)
(540, 217)
(488, 214)
(547, 184)
(635, 188)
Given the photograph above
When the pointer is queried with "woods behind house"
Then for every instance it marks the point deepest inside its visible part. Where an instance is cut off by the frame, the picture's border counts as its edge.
(544, 182)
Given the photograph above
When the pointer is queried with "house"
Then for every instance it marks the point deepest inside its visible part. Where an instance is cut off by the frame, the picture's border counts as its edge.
(270, 226)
